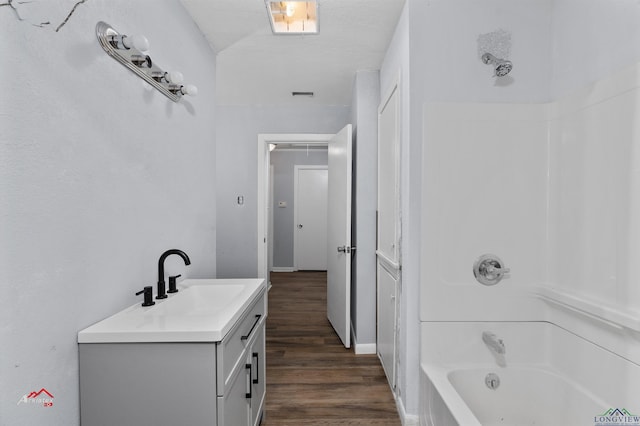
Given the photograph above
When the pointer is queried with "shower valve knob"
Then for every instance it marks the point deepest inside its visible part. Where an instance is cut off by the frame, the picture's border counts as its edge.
(489, 270)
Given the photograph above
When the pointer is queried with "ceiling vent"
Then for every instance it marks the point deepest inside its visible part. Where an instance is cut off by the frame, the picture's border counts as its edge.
(307, 94)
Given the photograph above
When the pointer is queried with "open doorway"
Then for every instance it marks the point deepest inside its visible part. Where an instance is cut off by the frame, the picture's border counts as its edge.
(298, 202)
(267, 144)
(338, 235)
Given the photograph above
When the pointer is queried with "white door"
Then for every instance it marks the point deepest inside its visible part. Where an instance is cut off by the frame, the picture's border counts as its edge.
(339, 235)
(311, 218)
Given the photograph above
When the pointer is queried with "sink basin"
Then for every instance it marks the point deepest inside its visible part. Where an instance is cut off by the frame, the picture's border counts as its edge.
(203, 310)
(197, 300)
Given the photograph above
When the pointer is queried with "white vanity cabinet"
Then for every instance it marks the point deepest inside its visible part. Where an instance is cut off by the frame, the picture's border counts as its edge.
(196, 381)
(241, 374)
(258, 377)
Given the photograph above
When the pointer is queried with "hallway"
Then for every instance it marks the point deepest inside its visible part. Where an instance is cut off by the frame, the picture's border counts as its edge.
(311, 378)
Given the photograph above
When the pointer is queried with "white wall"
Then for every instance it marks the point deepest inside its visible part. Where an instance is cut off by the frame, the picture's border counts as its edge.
(591, 40)
(236, 170)
(396, 69)
(438, 59)
(558, 47)
(445, 65)
(364, 117)
(99, 174)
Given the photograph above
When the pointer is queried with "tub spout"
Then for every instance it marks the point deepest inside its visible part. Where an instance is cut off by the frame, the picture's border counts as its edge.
(493, 343)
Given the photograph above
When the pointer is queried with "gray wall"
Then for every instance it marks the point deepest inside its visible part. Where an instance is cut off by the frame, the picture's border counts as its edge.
(236, 170)
(99, 174)
(364, 116)
(284, 163)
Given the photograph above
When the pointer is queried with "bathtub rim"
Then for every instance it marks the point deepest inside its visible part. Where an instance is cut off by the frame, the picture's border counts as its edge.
(438, 375)
(460, 410)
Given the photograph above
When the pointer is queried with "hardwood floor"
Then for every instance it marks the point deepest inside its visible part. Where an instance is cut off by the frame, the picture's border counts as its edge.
(311, 378)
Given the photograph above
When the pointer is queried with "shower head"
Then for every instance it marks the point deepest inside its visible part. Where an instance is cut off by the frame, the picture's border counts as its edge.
(502, 66)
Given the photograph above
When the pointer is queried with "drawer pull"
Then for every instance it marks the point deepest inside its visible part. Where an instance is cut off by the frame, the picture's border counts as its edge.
(248, 394)
(252, 327)
(257, 379)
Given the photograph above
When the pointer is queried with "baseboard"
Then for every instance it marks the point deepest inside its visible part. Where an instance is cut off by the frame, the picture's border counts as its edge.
(406, 419)
(362, 348)
(283, 269)
(365, 348)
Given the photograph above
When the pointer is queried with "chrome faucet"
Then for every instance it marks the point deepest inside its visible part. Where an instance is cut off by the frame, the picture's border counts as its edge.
(161, 287)
(493, 343)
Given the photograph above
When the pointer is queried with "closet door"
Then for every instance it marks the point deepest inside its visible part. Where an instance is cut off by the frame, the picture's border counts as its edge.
(388, 232)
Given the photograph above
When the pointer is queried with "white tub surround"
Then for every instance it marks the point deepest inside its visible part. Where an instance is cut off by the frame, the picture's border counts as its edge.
(553, 190)
(542, 382)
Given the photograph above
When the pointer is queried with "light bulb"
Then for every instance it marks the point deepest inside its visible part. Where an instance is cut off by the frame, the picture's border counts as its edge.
(189, 89)
(291, 9)
(138, 41)
(174, 77)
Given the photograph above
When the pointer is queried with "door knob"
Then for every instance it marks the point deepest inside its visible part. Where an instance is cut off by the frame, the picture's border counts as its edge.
(299, 226)
(346, 249)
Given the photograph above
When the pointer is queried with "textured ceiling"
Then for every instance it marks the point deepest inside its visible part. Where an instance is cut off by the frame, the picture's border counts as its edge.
(256, 67)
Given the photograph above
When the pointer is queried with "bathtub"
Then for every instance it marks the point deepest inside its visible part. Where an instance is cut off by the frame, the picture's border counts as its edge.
(550, 377)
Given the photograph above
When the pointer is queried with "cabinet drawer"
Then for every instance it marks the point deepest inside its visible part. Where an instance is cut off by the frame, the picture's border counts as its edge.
(230, 350)
(234, 407)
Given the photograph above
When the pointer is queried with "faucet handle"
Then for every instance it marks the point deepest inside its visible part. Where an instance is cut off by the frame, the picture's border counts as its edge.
(490, 270)
(497, 270)
(148, 296)
(172, 284)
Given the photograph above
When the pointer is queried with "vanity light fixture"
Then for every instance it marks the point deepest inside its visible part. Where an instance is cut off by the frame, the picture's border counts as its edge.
(129, 51)
(293, 17)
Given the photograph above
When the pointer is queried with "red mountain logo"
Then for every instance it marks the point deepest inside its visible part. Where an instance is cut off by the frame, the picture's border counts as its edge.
(42, 396)
(40, 392)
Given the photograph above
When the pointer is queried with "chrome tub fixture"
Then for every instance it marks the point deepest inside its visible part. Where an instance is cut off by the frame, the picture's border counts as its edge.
(496, 347)
(129, 51)
(501, 67)
(492, 341)
(489, 269)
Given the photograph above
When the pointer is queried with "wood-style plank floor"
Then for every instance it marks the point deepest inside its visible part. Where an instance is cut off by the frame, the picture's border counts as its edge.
(311, 378)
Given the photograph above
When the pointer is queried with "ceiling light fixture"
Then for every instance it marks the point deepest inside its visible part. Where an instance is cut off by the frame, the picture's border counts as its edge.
(291, 9)
(293, 17)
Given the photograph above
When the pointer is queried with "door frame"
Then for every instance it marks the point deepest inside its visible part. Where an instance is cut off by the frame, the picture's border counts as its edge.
(296, 170)
(264, 140)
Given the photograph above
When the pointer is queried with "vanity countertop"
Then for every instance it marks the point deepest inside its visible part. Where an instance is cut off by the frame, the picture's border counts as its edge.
(203, 310)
